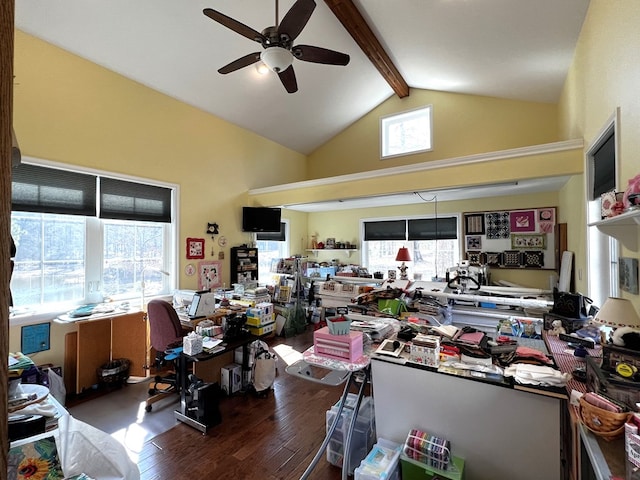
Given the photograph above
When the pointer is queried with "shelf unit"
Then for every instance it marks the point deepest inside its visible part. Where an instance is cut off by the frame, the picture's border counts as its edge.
(623, 227)
(315, 251)
(244, 264)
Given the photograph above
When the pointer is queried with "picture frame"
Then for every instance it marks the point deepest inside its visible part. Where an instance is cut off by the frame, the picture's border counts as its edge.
(209, 274)
(474, 242)
(537, 241)
(195, 248)
(331, 243)
(474, 224)
(628, 274)
(35, 338)
(522, 221)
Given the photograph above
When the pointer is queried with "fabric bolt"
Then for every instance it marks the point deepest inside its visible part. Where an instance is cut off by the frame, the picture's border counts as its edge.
(537, 375)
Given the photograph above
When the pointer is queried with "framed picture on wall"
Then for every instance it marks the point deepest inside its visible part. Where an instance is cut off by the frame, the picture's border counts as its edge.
(474, 242)
(195, 247)
(209, 275)
(628, 274)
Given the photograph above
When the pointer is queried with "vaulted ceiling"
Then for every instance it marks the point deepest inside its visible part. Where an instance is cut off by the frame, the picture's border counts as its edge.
(518, 49)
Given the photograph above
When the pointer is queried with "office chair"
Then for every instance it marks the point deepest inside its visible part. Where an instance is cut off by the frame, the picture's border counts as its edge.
(165, 333)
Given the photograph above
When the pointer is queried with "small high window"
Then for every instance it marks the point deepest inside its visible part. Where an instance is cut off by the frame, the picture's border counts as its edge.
(406, 133)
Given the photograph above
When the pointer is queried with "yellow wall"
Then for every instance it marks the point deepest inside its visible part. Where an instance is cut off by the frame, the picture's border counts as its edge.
(72, 111)
(69, 110)
(604, 75)
(344, 225)
(462, 125)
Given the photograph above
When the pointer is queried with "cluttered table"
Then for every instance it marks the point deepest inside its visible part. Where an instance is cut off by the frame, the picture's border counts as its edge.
(606, 457)
(40, 428)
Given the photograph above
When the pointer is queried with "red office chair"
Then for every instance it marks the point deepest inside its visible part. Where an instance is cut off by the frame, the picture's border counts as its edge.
(166, 333)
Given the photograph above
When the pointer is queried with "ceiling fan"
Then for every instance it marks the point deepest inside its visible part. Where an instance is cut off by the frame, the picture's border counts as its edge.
(277, 42)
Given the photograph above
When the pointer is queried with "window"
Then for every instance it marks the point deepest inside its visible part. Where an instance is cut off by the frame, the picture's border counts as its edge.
(271, 246)
(432, 242)
(602, 170)
(83, 237)
(407, 132)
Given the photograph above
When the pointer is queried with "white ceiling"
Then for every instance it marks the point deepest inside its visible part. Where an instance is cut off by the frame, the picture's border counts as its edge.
(517, 49)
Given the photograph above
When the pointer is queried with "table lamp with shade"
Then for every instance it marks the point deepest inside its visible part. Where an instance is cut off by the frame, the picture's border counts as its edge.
(620, 314)
(403, 256)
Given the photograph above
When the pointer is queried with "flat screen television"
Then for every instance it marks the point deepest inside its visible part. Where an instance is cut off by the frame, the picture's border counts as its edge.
(261, 219)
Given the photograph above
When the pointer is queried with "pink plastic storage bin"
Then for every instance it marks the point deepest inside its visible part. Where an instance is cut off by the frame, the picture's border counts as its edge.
(342, 347)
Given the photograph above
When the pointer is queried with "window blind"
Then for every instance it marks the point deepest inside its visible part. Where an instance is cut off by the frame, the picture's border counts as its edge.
(385, 230)
(273, 236)
(445, 228)
(125, 200)
(604, 163)
(36, 188)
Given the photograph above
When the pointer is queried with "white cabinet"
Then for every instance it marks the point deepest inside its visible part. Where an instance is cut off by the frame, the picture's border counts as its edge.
(623, 227)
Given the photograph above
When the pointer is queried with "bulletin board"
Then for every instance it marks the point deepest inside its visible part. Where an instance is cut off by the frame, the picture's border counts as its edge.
(511, 238)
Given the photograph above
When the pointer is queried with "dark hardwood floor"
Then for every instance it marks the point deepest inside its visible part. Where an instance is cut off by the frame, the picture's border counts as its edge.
(259, 438)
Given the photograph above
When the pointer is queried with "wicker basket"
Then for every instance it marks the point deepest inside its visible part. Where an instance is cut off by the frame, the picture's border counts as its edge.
(601, 422)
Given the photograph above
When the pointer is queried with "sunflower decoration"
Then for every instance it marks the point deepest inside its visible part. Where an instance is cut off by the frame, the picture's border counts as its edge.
(36, 460)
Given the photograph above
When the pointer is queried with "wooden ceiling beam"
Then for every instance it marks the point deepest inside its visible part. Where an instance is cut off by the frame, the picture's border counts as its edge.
(359, 29)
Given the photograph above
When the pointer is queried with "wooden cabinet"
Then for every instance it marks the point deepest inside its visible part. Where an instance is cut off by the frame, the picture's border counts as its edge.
(100, 340)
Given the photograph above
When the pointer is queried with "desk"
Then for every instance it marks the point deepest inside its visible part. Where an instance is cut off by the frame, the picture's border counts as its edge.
(100, 339)
(338, 372)
(184, 414)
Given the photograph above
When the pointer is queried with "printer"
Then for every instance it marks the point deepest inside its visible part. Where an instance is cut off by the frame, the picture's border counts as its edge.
(202, 305)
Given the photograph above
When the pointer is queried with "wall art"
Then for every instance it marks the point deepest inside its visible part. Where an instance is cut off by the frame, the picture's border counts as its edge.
(526, 241)
(474, 242)
(195, 247)
(522, 221)
(628, 274)
(209, 275)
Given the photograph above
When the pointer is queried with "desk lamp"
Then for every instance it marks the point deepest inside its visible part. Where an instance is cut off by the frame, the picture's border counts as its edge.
(618, 313)
(143, 284)
(403, 256)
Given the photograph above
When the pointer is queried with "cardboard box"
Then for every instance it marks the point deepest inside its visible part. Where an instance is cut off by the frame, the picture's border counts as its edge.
(425, 350)
(262, 330)
(231, 378)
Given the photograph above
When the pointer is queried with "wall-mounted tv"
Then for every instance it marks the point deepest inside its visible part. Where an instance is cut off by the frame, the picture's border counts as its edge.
(261, 219)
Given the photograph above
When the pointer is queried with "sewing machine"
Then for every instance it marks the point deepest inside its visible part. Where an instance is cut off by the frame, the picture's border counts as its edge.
(202, 305)
(464, 277)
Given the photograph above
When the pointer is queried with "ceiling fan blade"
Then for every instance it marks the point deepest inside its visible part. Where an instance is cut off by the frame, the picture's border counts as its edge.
(240, 63)
(296, 18)
(235, 25)
(308, 53)
(288, 79)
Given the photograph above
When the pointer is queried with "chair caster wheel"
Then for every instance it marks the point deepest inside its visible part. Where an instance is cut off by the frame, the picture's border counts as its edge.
(148, 408)
(152, 391)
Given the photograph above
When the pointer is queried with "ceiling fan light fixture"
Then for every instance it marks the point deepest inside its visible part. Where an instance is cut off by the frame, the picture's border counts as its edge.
(277, 58)
(261, 68)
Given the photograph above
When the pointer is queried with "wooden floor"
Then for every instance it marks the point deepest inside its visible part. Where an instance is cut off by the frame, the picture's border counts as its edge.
(259, 438)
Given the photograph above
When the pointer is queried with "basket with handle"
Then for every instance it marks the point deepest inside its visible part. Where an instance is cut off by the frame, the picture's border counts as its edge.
(601, 422)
